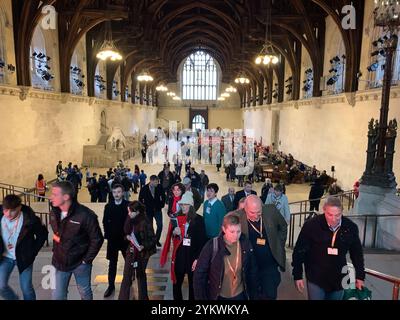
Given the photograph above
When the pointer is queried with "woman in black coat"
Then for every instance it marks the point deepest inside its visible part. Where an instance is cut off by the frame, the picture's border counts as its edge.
(142, 244)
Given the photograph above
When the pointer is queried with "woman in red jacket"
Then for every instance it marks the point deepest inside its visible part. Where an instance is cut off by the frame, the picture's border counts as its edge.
(188, 236)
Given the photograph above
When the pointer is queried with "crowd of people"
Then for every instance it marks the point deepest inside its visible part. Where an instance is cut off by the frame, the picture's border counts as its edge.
(234, 250)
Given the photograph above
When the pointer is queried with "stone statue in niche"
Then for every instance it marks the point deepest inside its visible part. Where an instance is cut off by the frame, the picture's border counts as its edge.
(392, 130)
(372, 142)
(390, 146)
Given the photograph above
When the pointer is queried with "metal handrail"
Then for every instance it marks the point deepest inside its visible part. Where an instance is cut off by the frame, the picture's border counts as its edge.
(388, 278)
(25, 196)
(12, 186)
(303, 215)
(325, 197)
(350, 195)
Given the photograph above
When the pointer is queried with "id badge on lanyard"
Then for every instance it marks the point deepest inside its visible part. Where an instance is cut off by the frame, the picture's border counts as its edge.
(186, 242)
(186, 239)
(331, 250)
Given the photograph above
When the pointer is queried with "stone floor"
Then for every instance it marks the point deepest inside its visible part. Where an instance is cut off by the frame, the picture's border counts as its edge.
(160, 287)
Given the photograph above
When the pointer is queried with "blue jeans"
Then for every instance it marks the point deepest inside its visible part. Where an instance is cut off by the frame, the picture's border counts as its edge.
(82, 274)
(25, 280)
(317, 293)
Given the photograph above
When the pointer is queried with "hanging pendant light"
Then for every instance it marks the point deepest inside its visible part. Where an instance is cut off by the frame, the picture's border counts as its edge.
(231, 89)
(108, 49)
(267, 55)
(242, 79)
(144, 77)
(161, 88)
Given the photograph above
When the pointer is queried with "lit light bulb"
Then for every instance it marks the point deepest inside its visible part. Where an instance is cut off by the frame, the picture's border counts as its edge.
(258, 60)
(275, 60)
(267, 60)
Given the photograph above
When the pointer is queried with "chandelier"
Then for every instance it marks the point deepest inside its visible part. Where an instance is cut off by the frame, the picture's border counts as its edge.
(231, 89)
(162, 88)
(387, 13)
(225, 95)
(171, 94)
(176, 98)
(242, 79)
(221, 99)
(108, 49)
(145, 77)
(266, 55)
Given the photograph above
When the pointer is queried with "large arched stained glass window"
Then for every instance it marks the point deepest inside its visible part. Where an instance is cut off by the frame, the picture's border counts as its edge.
(199, 77)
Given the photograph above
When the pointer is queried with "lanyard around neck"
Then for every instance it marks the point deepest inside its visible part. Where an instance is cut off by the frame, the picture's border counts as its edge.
(12, 231)
(234, 271)
(261, 225)
(334, 237)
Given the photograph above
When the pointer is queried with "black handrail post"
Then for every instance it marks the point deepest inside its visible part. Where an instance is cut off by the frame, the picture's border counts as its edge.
(294, 221)
(290, 229)
(365, 230)
(375, 231)
(47, 226)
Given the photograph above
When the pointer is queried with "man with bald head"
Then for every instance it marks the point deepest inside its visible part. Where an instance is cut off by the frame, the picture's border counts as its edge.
(266, 229)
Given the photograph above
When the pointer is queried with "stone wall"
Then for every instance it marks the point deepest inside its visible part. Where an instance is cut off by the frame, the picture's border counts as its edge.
(47, 127)
(326, 131)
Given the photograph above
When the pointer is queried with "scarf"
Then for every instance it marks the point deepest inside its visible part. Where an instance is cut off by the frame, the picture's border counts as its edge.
(175, 207)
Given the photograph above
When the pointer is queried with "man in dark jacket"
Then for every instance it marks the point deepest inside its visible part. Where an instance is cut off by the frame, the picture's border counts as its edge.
(247, 190)
(322, 246)
(204, 182)
(196, 179)
(104, 189)
(22, 236)
(153, 197)
(166, 179)
(316, 193)
(211, 279)
(228, 200)
(76, 242)
(127, 185)
(266, 229)
(115, 214)
(93, 188)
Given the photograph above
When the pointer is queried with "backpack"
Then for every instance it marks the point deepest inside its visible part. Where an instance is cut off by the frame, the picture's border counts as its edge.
(215, 248)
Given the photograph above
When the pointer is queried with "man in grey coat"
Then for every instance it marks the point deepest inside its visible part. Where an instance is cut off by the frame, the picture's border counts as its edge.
(267, 231)
(229, 199)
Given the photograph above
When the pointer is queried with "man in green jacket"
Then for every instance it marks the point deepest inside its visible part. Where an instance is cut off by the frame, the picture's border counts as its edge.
(213, 211)
(267, 231)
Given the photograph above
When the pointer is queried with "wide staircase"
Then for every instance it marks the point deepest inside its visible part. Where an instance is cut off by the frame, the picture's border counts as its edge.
(383, 285)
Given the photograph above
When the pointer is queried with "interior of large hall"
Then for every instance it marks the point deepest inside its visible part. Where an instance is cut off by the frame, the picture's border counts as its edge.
(296, 98)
